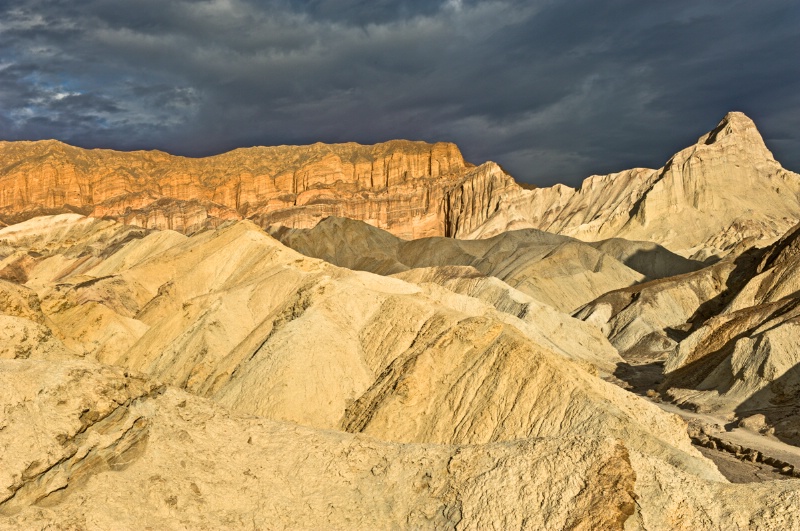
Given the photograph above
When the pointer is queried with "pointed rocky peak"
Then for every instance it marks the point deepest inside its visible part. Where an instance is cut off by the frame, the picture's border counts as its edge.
(736, 128)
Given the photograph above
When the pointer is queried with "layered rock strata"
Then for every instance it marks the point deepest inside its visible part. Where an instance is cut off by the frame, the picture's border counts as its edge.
(399, 185)
(725, 188)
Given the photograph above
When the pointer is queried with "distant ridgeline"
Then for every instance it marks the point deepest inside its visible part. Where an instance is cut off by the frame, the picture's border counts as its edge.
(724, 189)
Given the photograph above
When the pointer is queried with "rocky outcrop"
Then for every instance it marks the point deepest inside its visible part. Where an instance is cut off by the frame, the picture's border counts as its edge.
(398, 185)
(705, 200)
(724, 189)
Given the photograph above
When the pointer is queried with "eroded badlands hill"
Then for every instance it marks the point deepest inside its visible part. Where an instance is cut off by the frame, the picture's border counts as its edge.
(706, 199)
(558, 270)
(108, 449)
(114, 451)
(212, 377)
(744, 359)
(233, 317)
(726, 336)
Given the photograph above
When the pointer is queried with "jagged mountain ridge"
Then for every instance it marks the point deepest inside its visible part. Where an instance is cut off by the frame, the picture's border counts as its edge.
(705, 200)
(725, 188)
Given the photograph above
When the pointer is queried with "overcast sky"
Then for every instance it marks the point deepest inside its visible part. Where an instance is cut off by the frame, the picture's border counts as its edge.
(552, 90)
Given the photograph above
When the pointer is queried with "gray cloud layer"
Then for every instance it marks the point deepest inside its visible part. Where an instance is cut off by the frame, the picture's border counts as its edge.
(552, 89)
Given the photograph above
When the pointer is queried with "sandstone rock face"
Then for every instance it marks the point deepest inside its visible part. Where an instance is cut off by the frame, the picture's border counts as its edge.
(705, 200)
(724, 189)
(399, 185)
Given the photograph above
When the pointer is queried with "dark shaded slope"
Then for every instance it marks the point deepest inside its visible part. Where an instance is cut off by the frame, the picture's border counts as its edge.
(555, 269)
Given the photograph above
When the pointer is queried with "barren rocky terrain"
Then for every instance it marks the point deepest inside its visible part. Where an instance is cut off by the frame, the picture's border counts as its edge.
(388, 337)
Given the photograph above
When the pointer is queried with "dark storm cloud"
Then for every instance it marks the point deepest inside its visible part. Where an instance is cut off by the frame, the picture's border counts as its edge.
(553, 90)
